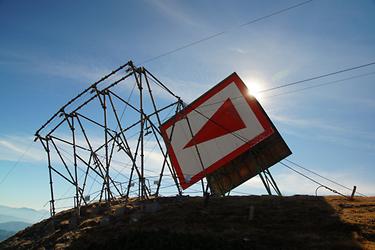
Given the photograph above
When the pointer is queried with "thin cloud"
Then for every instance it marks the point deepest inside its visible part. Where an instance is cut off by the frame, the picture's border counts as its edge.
(239, 50)
(170, 9)
(321, 130)
(72, 69)
(19, 148)
(323, 125)
(87, 73)
(342, 141)
(358, 102)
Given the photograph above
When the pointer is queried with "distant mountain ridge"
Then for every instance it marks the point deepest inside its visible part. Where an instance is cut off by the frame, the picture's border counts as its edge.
(14, 226)
(5, 234)
(8, 229)
(14, 219)
(7, 218)
(23, 214)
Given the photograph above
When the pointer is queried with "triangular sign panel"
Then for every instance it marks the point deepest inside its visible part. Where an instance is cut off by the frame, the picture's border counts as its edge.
(220, 125)
(224, 121)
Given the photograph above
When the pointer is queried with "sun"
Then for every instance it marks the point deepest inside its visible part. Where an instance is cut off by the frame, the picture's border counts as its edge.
(254, 88)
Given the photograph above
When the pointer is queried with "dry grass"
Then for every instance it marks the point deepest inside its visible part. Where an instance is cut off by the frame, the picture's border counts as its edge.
(251, 222)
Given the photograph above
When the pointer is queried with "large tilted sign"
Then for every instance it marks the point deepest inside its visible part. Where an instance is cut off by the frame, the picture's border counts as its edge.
(224, 135)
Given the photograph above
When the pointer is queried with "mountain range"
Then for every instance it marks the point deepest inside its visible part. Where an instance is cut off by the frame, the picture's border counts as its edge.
(13, 219)
(23, 214)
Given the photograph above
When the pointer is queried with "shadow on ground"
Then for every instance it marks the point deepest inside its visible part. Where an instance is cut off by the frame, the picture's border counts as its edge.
(246, 222)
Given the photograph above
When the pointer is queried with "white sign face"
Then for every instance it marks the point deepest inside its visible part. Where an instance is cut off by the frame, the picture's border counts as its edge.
(216, 128)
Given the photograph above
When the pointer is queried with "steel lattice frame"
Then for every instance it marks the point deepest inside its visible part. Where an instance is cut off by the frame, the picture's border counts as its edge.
(78, 158)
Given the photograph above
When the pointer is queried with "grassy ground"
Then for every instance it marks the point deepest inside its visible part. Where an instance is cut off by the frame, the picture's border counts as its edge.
(242, 222)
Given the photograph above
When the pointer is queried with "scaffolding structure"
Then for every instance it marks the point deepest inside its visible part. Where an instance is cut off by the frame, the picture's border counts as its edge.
(87, 140)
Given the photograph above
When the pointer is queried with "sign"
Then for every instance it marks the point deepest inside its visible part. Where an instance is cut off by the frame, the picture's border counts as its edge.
(219, 126)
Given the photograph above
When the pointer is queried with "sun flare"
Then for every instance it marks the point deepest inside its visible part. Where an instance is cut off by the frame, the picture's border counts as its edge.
(254, 89)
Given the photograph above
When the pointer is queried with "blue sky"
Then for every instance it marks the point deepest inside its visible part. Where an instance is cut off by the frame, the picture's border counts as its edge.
(50, 51)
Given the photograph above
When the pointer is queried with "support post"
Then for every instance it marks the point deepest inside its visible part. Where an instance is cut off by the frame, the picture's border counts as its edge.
(353, 192)
(52, 202)
(107, 193)
(77, 200)
(142, 117)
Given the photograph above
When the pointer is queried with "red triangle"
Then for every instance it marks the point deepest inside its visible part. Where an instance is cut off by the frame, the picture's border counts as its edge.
(224, 121)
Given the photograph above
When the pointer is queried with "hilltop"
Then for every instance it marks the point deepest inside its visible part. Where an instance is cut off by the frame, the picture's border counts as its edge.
(234, 222)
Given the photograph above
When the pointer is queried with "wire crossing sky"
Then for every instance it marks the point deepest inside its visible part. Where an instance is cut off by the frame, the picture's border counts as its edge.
(51, 51)
(209, 37)
(317, 77)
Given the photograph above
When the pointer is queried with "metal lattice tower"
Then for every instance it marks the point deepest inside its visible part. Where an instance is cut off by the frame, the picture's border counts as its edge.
(98, 140)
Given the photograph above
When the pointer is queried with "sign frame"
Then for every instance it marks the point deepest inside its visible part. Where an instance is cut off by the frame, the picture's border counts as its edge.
(253, 105)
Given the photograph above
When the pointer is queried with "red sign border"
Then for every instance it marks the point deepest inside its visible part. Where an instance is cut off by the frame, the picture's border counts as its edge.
(254, 106)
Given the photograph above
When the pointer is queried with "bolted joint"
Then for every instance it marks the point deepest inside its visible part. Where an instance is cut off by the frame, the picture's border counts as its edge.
(104, 92)
(37, 136)
(93, 89)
